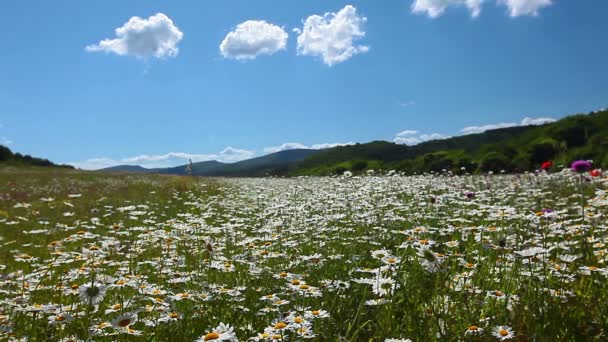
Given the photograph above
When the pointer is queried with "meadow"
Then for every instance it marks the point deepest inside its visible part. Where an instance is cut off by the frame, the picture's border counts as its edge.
(121, 257)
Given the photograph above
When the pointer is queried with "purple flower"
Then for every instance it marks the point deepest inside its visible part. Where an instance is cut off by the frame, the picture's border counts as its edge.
(581, 166)
(469, 194)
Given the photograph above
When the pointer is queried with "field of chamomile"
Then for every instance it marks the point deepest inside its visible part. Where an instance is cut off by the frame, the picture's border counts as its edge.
(88, 256)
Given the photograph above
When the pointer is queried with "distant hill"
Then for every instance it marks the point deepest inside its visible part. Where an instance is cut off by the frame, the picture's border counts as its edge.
(126, 168)
(7, 157)
(271, 164)
(513, 149)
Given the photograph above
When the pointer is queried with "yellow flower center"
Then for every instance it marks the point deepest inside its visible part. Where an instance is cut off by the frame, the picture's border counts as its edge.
(298, 320)
(211, 336)
(503, 332)
(473, 328)
(280, 325)
(315, 312)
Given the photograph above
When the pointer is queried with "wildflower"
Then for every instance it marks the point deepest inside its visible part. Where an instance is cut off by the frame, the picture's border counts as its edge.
(581, 166)
(595, 173)
(503, 332)
(124, 321)
(316, 314)
(61, 318)
(223, 332)
(92, 293)
(474, 330)
(384, 286)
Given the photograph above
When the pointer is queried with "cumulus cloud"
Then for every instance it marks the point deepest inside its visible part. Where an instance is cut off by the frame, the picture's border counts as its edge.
(525, 122)
(156, 36)
(435, 8)
(228, 155)
(411, 137)
(518, 8)
(332, 36)
(252, 38)
(297, 146)
(231, 154)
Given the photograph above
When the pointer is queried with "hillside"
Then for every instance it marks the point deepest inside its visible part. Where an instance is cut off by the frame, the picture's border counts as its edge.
(583, 136)
(7, 157)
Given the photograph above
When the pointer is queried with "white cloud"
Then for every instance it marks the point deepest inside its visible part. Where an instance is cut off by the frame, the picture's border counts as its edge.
(296, 146)
(252, 38)
(407, 132)
(406, 140)
(231, 154)
(538, 121)
(95, 163)
(480, 129)
(407, 104)
(332, 36)
(285, 147)
(330, 145)
(525, 7)
(410, 137)
(5, 141)
(227, 155)
(432, 136)
(527, 121)
(516, 8)
(435, 8)
(156, 36)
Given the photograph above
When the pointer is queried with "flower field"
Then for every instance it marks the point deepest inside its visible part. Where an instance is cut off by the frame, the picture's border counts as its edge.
(90, 256)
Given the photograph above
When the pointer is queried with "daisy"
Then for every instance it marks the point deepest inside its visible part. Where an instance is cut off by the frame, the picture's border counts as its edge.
(503, 332)
(474, 330)
(223, 332)
(124, 321)
(92, 293)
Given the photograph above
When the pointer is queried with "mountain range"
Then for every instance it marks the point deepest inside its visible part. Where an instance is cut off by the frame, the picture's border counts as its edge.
(512, 149)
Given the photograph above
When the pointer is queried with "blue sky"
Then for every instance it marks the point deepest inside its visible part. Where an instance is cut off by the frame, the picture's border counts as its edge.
(231, 79)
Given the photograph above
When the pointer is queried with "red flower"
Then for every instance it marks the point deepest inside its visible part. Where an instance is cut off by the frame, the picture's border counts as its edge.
(546, 165)
(596, 173)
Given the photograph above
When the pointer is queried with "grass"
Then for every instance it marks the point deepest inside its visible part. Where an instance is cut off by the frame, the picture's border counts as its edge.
(344, 258)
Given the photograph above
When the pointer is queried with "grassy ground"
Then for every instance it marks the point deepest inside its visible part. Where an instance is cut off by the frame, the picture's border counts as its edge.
(161, 258)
